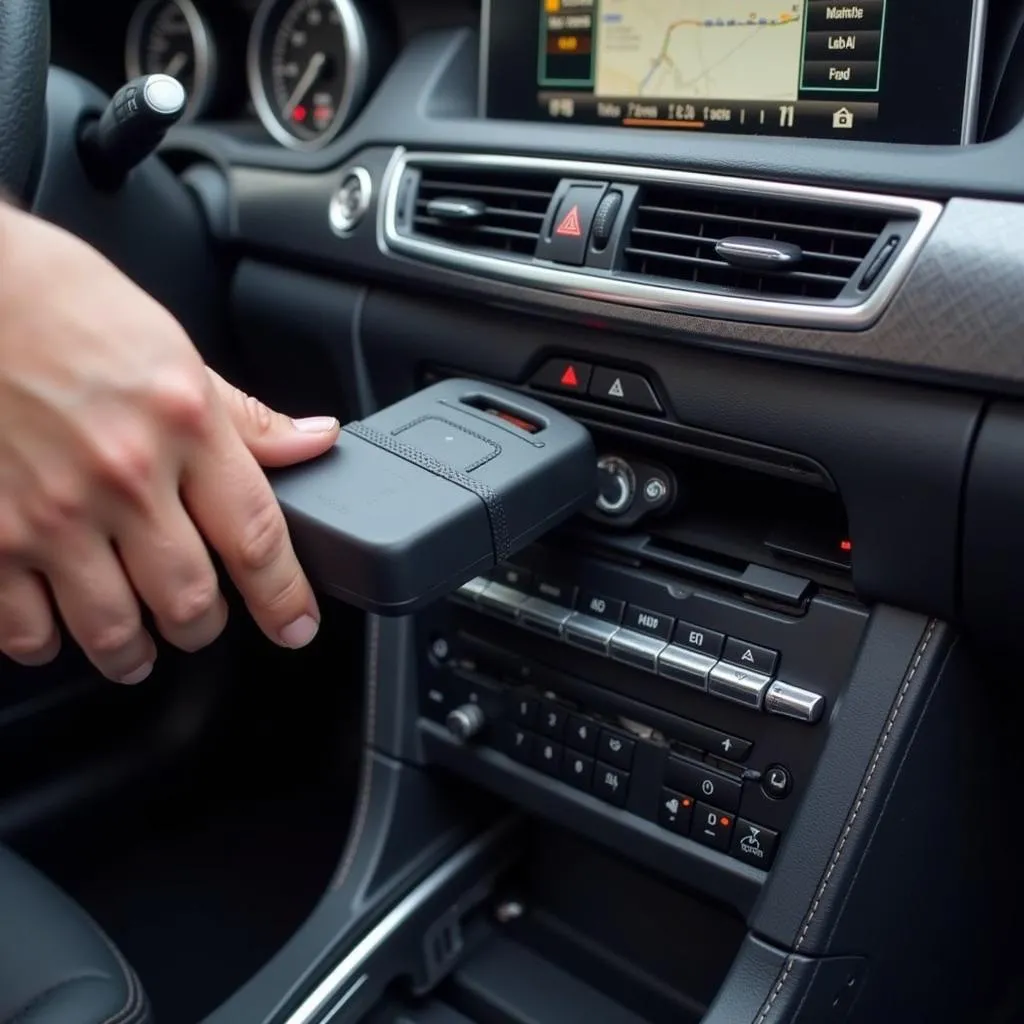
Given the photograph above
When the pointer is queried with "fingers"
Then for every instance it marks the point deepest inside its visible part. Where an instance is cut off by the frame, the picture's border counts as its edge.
(273, 438)
(28, 634)
(100, 610)
(234, 507)
(168, 564)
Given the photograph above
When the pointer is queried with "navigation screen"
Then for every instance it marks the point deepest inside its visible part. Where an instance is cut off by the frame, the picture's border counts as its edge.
(870, 69)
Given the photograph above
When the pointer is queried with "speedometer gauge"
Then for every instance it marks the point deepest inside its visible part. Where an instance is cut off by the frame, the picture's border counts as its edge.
(307, 68)
(171, 37)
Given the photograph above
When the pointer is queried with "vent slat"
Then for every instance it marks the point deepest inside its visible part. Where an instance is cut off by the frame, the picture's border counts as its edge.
(515, 204)
(758, 221)
(675, 230)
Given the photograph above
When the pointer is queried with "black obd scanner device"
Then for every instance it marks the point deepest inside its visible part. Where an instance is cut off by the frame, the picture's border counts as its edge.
(438, 488)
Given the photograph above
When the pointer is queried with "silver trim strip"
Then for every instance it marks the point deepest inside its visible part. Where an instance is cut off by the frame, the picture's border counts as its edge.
(357, 59)
(972, 89)
(353, 962)
(675, 298)
(975, 57)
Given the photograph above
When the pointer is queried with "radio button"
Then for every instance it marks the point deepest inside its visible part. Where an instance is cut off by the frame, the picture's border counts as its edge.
(501, 600)
(754, 844)
(607, 608)
(513, 576)
(543, 616)
(705, 783)
(636, 649)
(615, 749)
(651, 623)
(682, 665)
(675, 812)
(611, 784)
(588, 633)
(758, 659)
(581, 734)
(470, 592)
(555, 591)
(551, 720)
(739, 685)
(794, 702)
(721, 744)
(697, 638)
(578, 770)
(712, 827)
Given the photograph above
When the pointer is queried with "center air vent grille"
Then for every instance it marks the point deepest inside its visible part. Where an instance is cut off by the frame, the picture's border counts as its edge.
(506, 208)
(675, 231)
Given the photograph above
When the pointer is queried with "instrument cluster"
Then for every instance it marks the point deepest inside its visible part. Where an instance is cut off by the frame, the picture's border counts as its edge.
(301, 67)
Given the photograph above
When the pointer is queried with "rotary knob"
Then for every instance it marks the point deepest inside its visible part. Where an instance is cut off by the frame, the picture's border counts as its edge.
(616, 485)
(465, 721)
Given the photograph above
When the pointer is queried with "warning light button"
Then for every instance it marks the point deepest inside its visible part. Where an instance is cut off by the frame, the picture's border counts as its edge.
(566, 238)
(566, 375)
(624, 389)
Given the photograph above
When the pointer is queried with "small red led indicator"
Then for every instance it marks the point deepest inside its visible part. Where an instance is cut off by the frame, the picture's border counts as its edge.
(569, 378)
(299, 113)
(846, 545)
(570, 226)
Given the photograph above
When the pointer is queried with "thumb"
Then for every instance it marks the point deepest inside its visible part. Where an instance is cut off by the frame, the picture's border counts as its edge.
(275, 439)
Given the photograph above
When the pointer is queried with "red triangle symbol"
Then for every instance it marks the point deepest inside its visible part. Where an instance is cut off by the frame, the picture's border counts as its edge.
(570, 226)
(569, 378)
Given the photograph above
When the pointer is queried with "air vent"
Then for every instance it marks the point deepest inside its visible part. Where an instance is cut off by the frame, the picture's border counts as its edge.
(675, 232)
(483, 208)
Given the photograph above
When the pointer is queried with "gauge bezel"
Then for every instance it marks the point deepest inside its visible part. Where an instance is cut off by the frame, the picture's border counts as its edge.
(202, 40)
(357, 59)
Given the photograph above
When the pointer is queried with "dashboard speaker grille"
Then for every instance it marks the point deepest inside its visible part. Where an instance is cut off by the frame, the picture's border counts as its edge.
(675, 231)
(508, 207)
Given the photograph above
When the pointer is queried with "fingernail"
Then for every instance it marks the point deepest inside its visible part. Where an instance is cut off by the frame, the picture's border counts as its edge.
(315, 424)
(300, 632)
(142, 672)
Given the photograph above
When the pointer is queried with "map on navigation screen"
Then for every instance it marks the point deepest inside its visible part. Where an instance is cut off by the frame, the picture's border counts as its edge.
(726, 49)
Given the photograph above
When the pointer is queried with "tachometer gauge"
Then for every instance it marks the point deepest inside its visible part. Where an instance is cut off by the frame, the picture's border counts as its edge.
(171, 37)
(308, 67)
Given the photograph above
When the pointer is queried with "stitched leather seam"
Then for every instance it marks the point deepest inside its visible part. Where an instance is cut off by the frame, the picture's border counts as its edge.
(848, 827)
(363, 801)
(134, 1007)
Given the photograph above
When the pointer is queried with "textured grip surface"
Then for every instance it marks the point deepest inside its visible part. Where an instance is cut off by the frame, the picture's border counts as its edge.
(24, 59)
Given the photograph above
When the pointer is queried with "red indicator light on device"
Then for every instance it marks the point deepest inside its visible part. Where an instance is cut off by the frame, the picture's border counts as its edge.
(569, 378)
(299, 113)
(846, 545)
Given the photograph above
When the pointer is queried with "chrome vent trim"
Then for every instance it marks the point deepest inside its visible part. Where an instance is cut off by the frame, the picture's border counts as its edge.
(672, 296)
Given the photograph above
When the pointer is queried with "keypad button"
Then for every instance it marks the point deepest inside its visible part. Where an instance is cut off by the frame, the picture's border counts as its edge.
(581, 734)
(712, 826)
(757, 659)
(577, 769)
(611, 784)
(524, 709)
(513, 576)
(555, 591)
(615, 749)
(754, 844)
(551, 720)
(547, 756)
(675, 811)
(705, 783)
(516, 742)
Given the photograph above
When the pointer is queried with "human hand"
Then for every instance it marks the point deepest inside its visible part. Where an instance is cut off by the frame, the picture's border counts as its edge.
(120, 452)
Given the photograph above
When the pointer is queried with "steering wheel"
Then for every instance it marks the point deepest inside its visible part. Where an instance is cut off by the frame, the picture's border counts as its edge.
(24, 60)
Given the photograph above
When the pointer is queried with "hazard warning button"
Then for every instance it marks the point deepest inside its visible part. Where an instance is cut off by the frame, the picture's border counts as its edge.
(628, 390)
(567, 375)
(566, 238)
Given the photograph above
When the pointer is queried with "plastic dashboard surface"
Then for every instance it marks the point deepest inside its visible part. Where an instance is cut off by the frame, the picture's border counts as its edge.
(956, 316)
